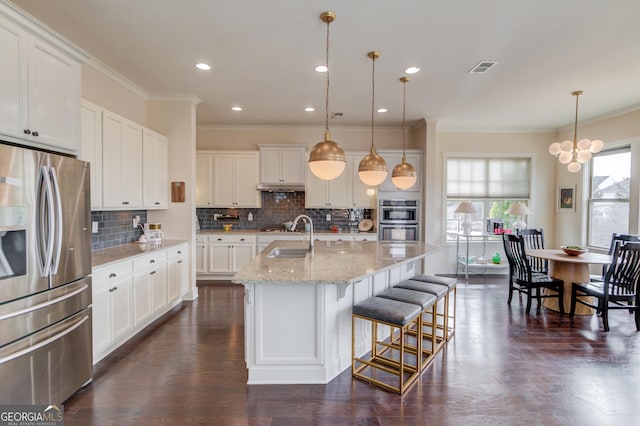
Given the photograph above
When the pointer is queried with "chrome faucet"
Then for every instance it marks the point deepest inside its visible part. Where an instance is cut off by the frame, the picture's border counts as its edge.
(295, 222)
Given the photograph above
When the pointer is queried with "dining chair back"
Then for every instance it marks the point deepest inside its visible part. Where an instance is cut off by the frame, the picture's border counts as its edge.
(523, 279)
(534, 239)
(620, 287)
(615, 237)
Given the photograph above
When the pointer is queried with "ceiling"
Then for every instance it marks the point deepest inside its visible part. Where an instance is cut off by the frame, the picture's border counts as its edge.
(263, 54)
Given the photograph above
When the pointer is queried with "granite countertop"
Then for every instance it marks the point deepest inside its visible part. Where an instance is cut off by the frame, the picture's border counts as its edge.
(121, 252)
(333, 262)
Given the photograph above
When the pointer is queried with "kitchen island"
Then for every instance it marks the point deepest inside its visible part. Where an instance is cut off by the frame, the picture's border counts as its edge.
(298, 310)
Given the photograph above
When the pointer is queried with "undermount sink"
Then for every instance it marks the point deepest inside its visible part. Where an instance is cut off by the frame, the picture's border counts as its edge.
(287, 253)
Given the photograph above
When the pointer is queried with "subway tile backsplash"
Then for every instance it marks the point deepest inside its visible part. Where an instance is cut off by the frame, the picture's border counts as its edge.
(280, 207)
(115, 228)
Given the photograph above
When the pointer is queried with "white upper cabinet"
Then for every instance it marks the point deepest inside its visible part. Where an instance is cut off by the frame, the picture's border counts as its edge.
(121, 162)
(393, 158)
(204, 178)
(282, 164)
(39, 91)
(344, 192)
(235, 179)
(358, 190)
(91, 148)
(155, 167)
(332, 194)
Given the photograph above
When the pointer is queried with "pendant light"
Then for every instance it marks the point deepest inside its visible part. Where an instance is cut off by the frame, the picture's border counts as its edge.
(327, 160)
(404, 174)
(575, 154)
(372, 169)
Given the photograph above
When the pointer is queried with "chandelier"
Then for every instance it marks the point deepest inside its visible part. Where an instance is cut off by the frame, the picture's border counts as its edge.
(575, 154)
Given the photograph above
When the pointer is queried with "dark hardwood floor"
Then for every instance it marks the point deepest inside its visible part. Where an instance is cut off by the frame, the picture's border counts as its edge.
(501, 368)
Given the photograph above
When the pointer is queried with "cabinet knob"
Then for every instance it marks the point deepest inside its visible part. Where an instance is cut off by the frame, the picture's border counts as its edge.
(152, 272)
(125, 203)
(35, 133)
(179, 251)
(156, 203)
(27, 131)
(152, 261)
(112, 275)
(115, 289)
(179, 261)
(219, 239)
(241, 239)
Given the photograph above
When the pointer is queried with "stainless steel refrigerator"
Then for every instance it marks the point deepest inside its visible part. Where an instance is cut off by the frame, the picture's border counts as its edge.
(45, 283)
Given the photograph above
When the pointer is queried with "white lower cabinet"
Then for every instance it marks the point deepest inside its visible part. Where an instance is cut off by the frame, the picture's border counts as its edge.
(130, 294)
(178, 272)
(202, 242)
(112, 307)
(230, 253)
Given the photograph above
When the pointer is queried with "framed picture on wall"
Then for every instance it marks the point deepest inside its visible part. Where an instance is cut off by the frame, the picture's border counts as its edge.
(566, 198)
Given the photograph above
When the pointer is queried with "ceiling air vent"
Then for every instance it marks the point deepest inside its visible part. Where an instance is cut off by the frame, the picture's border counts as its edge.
(336, 115)
(482, 67)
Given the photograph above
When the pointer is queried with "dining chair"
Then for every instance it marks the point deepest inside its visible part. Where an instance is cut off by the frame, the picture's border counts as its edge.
(614, 238)
(619, 290)
(522, 277)
(534, 239)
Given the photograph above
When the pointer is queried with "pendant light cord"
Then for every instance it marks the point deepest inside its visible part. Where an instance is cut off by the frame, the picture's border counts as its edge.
(326, 98)
(373, 94)
(575, 127)
(404, 106)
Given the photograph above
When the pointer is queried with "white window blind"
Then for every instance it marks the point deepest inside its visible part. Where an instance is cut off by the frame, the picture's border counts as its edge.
(488, 178)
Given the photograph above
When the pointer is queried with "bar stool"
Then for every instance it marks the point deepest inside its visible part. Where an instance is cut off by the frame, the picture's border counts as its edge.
(451, 284)
(394, 314)
(428, 302)
(441, 292)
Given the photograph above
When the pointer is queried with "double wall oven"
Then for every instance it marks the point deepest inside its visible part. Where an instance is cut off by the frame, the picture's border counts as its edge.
(398, 220)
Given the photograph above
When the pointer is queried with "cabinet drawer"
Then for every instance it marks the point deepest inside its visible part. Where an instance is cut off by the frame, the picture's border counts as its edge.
(112, 272)
(149, 260)
(228, 238)
(176, 252)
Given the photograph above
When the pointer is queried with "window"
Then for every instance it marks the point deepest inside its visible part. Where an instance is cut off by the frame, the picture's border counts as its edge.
(491, 184)
(609, 195)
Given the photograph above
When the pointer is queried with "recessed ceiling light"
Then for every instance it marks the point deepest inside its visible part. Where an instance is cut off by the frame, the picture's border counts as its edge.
(412, 70)
(321, 68)
(202, 66)
(236, 108)
(382, 110)
(309, 109)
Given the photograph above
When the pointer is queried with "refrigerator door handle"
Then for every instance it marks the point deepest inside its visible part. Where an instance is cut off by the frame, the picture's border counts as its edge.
(56, 216)
(37, 346)
(45, 224)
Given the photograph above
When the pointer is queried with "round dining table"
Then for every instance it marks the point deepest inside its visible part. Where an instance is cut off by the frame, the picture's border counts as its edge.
(570, 269)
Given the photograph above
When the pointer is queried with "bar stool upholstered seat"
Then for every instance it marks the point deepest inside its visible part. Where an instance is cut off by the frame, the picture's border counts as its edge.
(451, 284)
(393, 364)
(428, 302)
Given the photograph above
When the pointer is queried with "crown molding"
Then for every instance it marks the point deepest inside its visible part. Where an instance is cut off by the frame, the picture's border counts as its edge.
(175, 97)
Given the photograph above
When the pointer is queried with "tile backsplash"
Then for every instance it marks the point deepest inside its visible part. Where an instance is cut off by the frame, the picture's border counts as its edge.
(115, 228)
(280, 207)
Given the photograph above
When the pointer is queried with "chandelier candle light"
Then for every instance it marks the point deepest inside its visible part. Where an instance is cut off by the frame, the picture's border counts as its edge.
(404, 174)
(520, 210)
(327, 160)
(466, 208)
(372, 169)
(575, 153)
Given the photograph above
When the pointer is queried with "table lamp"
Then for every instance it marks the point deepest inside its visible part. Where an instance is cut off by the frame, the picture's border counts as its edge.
(467, 208)
(520, 210)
